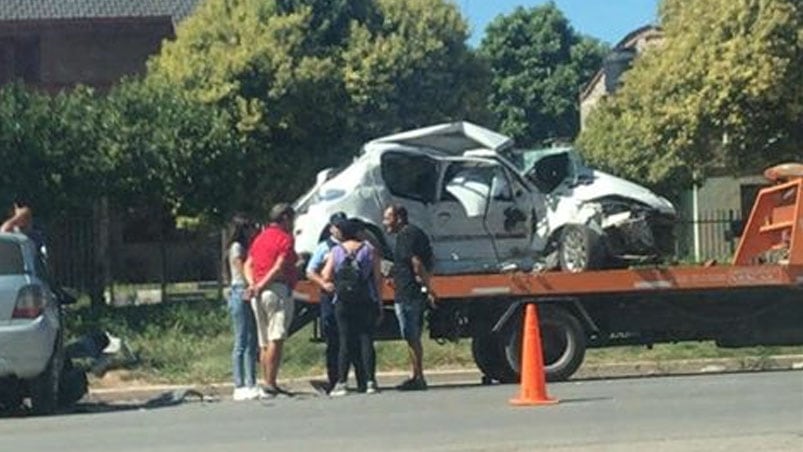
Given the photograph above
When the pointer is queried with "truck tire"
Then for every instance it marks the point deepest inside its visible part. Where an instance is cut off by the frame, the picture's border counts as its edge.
(44, 388)
(580, 249)
(489, 357)
(563, 343)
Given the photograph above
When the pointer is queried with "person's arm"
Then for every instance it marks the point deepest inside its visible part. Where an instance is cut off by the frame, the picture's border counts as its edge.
(278, 266)
(328, 272)
(238, 261)
(21, 217)
(378, 278)
(421, 272)
(317, 261)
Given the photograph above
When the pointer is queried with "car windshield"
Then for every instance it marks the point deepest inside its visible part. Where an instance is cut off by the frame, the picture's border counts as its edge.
(525, 159)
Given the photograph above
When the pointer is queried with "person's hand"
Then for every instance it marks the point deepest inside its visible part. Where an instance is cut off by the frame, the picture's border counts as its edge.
(329, 287)
(432, 299)
(248, 294)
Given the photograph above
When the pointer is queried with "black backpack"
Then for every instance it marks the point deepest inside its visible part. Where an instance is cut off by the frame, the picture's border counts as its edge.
(351, 287)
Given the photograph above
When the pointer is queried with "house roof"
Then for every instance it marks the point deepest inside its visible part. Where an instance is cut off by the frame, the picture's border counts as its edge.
(28, 10)
(629, 41)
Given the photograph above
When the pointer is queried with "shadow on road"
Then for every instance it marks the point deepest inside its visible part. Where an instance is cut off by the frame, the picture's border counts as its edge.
(164, 400)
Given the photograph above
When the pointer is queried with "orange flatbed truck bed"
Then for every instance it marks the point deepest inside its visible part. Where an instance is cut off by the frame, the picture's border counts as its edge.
(756, 300)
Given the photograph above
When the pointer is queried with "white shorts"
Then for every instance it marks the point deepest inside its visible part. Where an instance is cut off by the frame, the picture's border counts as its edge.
(273, 311)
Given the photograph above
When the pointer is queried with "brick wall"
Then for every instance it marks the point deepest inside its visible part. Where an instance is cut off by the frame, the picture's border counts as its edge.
(96, 52)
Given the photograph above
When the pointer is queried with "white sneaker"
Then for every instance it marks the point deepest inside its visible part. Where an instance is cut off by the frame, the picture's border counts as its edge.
(371, 388)
(241, 394)
(339, 390)
(253, 392)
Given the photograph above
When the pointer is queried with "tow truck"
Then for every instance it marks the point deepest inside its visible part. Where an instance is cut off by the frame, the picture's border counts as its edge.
(757, 299)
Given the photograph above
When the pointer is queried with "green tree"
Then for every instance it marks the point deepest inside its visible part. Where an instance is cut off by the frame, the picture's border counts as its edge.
(305, 81)
(539, 65)
(169, 150)
(724, 90)
(49, 150)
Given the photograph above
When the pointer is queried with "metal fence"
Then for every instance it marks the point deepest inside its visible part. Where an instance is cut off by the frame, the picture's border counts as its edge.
(714, 235)
(126, 273)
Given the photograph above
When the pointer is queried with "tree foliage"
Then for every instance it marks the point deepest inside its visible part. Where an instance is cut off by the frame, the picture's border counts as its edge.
(724, 90)
(49, 149)
(305, 81)
(539, 65)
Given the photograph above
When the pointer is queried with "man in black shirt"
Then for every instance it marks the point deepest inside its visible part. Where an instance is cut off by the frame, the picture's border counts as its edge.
(411, 279)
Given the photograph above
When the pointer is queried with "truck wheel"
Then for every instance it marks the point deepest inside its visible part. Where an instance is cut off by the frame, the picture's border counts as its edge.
(580, 249)
(44, 388)
(563, 343)
(489, 357)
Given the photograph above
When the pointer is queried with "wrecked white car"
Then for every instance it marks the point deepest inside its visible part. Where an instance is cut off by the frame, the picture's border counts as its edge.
(488, 206)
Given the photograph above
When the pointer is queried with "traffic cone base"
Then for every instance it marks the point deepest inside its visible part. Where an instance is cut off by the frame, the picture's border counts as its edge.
(527, 402)
(533, 380)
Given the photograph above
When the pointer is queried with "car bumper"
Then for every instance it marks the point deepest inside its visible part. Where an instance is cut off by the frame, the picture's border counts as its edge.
(25, 348)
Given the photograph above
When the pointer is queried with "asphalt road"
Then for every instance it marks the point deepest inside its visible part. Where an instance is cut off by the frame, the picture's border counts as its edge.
(730, 412)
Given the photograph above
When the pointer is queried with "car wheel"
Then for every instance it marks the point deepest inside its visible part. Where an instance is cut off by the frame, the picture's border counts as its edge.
(580, 249)
(563, 343)
(489, 358)
(44, 389)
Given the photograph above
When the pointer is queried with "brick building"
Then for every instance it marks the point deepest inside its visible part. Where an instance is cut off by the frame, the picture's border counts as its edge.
(56, 44)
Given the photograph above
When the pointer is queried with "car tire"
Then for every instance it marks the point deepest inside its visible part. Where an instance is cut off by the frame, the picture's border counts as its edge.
(44, 388)
(580, 249)
(489, 358)
(563, 343)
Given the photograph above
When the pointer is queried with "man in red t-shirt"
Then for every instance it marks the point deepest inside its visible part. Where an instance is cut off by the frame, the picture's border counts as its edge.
(271, 274)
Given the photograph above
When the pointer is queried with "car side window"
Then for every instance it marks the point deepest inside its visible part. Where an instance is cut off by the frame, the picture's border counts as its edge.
(469, 184)
(500, 186)
(11, 260)
(410, 176)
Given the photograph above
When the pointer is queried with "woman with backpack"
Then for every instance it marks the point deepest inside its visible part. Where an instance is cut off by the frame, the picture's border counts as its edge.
(353, 274)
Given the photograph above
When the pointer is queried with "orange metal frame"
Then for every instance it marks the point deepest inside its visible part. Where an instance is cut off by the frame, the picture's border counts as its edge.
(775, 226)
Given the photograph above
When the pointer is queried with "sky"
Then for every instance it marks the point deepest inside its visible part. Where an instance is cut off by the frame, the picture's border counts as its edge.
(608, 20)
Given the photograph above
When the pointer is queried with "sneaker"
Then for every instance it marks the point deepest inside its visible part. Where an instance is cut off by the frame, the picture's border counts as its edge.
(339, 390)
(413, 384)
(265, 393)
(253, 392)
(278, 390)
(241, 394)
(371, 388)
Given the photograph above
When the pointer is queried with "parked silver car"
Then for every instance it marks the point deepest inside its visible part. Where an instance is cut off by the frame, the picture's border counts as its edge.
(31, 331)
(487, 205)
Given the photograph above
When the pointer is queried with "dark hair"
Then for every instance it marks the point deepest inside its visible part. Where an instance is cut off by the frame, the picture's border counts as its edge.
(240, 228)
(350, 229)
(400, 211)
(280, 212)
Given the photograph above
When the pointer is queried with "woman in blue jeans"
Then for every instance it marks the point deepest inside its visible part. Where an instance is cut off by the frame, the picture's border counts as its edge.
(244, 353)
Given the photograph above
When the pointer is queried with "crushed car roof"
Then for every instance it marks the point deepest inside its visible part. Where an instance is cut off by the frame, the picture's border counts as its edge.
(453, 138)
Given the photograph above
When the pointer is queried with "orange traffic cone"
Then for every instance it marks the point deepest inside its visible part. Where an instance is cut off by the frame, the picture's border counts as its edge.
(533, 382)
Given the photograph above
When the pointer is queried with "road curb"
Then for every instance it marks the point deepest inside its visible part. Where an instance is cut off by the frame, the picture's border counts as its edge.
(589, 371)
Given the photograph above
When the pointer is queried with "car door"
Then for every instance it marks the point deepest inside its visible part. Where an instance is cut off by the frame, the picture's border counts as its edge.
(409, 179)
(511, 217)
(461, 241)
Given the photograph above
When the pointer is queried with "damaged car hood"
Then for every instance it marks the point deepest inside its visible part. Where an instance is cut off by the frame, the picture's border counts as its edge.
(602, 184)
(454, 138)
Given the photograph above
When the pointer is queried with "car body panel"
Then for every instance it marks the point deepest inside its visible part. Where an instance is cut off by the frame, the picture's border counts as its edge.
(26, 345)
